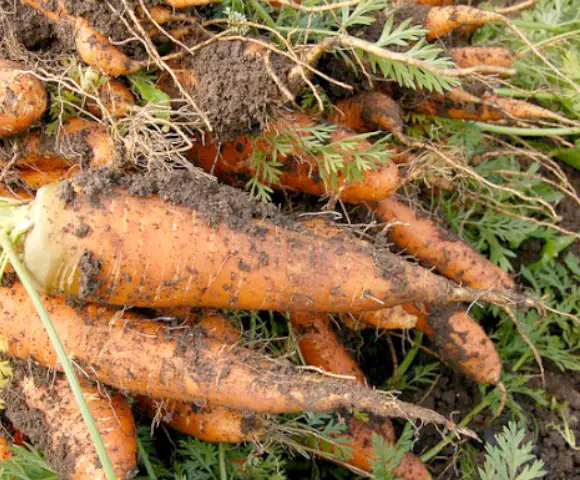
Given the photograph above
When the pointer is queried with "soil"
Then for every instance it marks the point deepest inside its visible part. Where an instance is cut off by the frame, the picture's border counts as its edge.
(30, 28)
(32, 421)
(89, 267)
(234, 88)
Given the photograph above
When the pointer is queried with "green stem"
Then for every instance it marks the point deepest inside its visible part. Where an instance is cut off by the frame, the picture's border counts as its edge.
(527, 132)
(543, 26)
(428, 455)
(222, 461)
(28, 284)
(145, 459)
(521, 361)
(263, 14)
(511, 92)
(408, 360)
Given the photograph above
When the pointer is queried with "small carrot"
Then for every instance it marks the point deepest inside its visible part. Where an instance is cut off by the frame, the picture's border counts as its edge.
(78, 141)
(92, 46)
(437, 247)
(23, 99)
(5, 452)
(320, 346)
(149, 358)
(116, 99)
(442, 20)
(466, 57)
(47, 413)
(190, 3)
(139, 251)
(370, 111)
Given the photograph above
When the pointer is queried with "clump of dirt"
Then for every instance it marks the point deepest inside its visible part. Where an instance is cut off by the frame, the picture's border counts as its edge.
(32, 422)
(234, 88)
(29, 27)
(218, 204)
(89, 267)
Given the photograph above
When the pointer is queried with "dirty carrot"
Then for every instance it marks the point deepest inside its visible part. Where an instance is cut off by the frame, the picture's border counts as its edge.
(23, 99)
(149, 358)
(211, 247)
(116, 99)
(92, 46)
(442, 20)
(46, 412)
(300, 171)
(466, 57)
(370, 111)
(78, 141)
(5, 452)
(439, 248)
(320, 346)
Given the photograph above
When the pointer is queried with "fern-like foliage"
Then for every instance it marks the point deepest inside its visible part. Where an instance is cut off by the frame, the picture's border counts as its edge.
(387, 455)
(511, 459)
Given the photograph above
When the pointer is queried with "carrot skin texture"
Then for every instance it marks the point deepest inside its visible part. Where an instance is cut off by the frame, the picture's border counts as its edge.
(118, 349)
(23, 99)
(334, 277)
(442, 20)
(320, 346)
(232, 162)
(466, 57)
(431, 244)
(116, 98)
(63, 422)
(5, 452)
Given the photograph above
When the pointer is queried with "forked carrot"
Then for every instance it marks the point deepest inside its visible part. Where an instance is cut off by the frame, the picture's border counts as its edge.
(45, 410)
(299, 171)
(128, 352)
(439, 248)
(23, 99)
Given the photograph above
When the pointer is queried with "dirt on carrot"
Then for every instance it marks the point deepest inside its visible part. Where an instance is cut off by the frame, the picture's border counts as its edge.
(89, 266)
(237, 92)
(31, 420)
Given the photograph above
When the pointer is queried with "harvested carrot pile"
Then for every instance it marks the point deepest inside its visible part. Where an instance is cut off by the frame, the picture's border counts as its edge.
(289, 239)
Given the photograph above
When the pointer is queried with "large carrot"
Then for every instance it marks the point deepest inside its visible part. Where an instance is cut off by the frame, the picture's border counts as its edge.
(299, 171)
(23, 99)
(212, 252)
(437, 247)
(466, 57)
(92, 46)
(370, 111)
(125, 351)
(45, 410)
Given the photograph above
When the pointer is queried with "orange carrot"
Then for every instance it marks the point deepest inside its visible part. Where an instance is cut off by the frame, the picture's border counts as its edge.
(79, 140)
(234, 262)
(466, 57)
(125, 351)
(116, 99)
(92, 46)
(45, 410)
(320, 346)
(299, 171)
(190, 3)
(369, 111)
(23, 99)
(5, 452)
(442, 20)
(450, 256)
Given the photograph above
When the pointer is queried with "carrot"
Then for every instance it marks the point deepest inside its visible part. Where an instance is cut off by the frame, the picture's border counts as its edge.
(320, 346)
(300, 171)
(466, 57)
(461, 341)
(47, 413)
(437, 247)
(460, 104)
(127, 352)
(210, 253)
(93, 47)
(5, 452)
(116, 98)
(368, 111)
(80, 140)
(211, 424)
(442, 20)
(190, 3)
(23, 99)
(28, 181)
